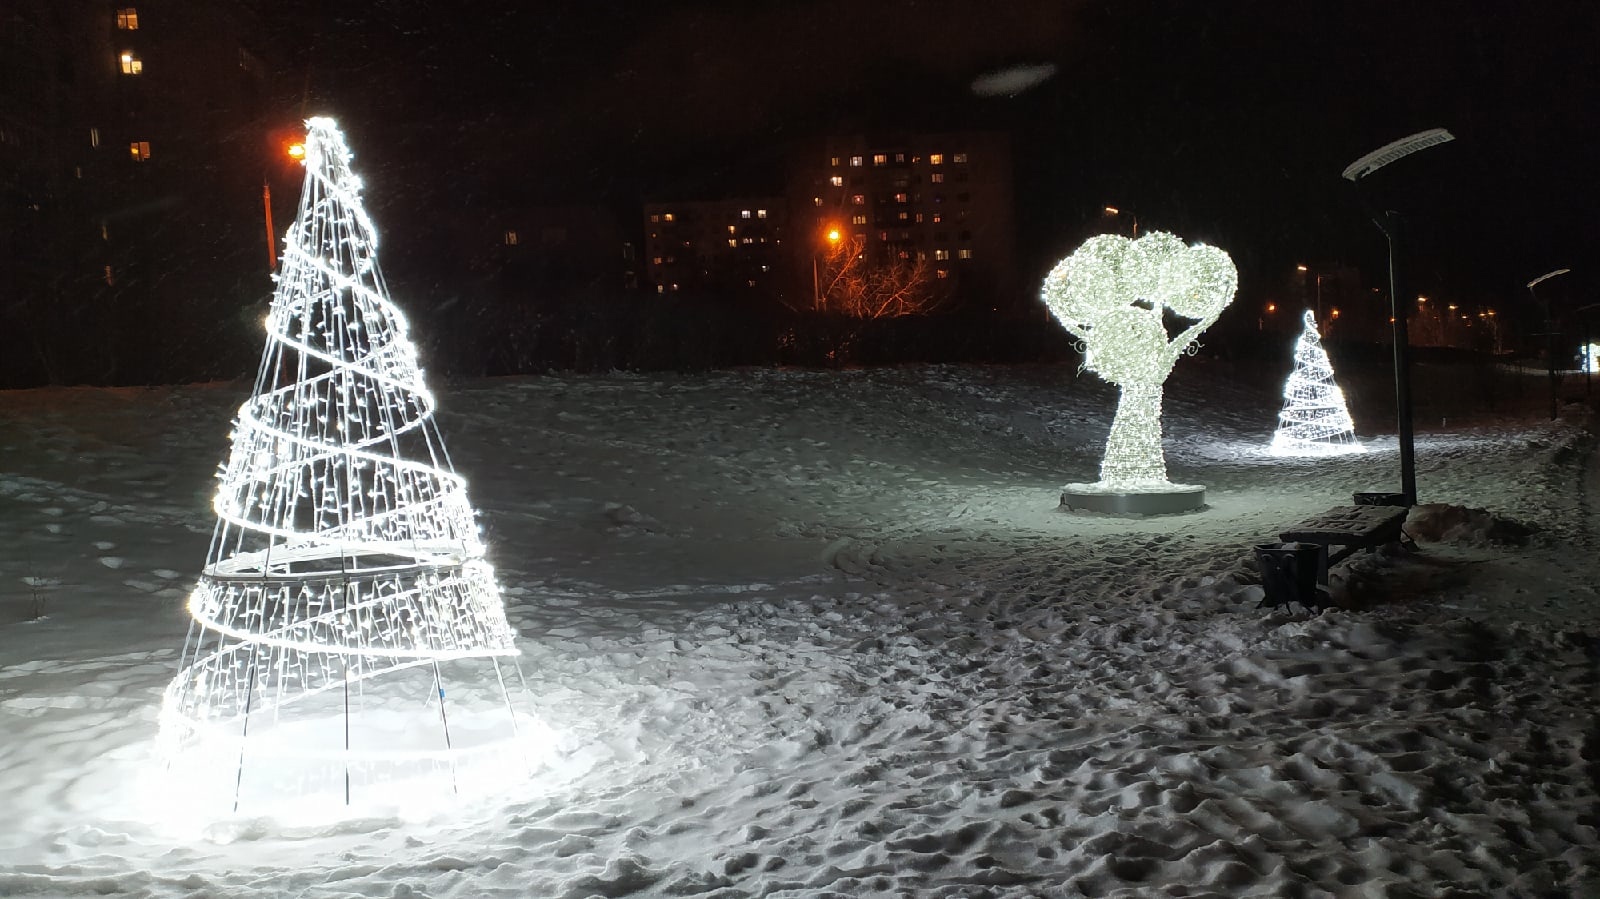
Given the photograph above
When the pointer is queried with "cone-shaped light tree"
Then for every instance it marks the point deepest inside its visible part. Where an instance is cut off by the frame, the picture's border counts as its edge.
(1117, 297)
(1315, 419)
(345, 550)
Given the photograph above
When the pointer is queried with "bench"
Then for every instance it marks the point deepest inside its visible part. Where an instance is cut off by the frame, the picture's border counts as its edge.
(1336, 535)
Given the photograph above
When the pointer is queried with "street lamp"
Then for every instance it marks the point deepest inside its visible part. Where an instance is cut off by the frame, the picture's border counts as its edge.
(1549, 335)
(295, 150)
(1389, 223)
(832, 236)
(1112, 210)
(1305, 270)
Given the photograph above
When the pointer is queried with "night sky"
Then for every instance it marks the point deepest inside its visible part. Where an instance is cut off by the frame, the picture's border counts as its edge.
(1227, 122)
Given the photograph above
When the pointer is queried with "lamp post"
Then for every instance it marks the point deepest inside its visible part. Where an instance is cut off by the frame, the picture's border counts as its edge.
(1306, 270)
(1389, 223)
(297, 152)
(832, 237)
(1549, 335)
(1112, 210)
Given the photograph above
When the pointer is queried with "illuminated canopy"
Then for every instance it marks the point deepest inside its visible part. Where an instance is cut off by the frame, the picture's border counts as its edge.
(345, 550)
(1116, 295)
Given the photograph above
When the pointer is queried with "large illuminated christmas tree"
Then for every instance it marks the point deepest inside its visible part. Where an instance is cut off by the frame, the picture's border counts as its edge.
(1315, 419)
(346, 583)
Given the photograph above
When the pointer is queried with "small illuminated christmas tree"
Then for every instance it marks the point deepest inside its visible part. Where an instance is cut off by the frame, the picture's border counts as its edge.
(1315, 419)
(346, 575)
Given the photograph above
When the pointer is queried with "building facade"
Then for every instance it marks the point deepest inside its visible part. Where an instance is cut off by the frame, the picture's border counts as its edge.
(734, 247)
(136, 158)
(942, 198)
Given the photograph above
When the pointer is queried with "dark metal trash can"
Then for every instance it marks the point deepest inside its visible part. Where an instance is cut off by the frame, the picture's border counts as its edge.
(1289, 574)
(1379, 499)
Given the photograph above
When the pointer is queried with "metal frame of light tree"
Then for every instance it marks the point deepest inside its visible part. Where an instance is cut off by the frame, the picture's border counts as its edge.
(345, 550)
(1315, 420)
(1114, 295)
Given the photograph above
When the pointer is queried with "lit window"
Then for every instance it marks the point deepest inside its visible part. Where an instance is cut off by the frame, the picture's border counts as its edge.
(919, 218)
(658, 260)
(730, 229)
(937, 177)
(139, 150)
(732, 242)
(937, 218)
(749, 240)
(744, 213)
(833, 161)
(511, 238)
(109, 279)
(655, 217)
(761, 213)
(903, 216)
(105, 234)
(964, 253)
(859, 199)
(899, 157)
(128, 19)
(855, 161)
(131, 65)
(666, 216)
(816, 201)
(901, 198)
(94, 137)
(935, 159)
(941, 254)
(942, 273)
(880, 159)
(960, 158)
(883, 235)
(837, 181)
(858, 220)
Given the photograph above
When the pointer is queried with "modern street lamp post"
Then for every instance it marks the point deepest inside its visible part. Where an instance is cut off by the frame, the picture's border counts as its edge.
(1549, 336)
(1389, 223)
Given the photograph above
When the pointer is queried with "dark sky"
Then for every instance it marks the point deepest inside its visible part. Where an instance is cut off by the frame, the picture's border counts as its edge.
(1227, 121)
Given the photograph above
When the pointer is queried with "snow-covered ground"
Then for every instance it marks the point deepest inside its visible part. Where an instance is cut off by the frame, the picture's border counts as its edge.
(825, 633)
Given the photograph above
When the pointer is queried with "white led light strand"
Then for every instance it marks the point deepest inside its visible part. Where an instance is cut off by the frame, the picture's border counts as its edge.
(345, 549)
(1315, 419)
(1114, 294)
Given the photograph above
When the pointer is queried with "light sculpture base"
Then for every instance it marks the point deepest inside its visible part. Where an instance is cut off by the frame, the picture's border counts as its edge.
(1164, 499)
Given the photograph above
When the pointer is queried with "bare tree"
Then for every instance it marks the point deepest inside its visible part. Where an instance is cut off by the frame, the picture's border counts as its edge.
(852, 283)
(1114, 295)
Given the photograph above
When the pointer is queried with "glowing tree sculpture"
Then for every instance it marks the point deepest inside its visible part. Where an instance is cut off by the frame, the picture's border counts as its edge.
(1115, 295)
(346, 571)
(1315, 419)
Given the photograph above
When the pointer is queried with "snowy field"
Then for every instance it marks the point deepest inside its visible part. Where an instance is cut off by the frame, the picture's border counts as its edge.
(825, 633)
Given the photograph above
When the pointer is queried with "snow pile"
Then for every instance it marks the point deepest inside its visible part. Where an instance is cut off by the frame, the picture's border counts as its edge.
(805, 633)
(1444, 523)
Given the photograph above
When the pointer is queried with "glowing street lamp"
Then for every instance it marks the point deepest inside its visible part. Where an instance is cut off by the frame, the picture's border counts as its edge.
(832, 237)
(1549, 334)
(1112, 210)
(295, 150)
(1389, 223)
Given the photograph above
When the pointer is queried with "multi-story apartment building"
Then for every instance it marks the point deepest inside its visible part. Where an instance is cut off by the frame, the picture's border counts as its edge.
(942, 197)
(135, 159)
(731, 246)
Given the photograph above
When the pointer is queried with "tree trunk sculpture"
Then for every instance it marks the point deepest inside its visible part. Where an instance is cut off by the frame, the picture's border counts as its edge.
(1114, 295)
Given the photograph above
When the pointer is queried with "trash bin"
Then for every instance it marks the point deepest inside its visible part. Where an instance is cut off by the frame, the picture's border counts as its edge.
(1289, 573)
(1380, 499)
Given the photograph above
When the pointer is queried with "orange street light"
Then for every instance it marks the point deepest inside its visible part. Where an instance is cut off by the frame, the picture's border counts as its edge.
(296, 151)
(833, 235)
(1301, 268)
